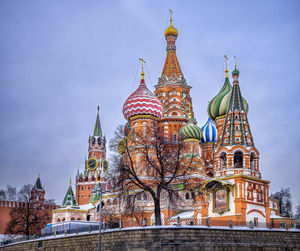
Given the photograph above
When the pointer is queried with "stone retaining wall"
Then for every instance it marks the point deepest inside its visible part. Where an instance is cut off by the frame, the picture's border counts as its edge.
(171, 238)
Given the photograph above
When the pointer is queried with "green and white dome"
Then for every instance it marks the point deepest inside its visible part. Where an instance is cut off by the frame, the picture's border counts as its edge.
(218, 105)
(190, 131)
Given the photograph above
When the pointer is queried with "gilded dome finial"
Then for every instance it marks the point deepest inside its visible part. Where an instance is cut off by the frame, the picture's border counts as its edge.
(171, 31)
(226, 70)
(190, 111)
(142, 73)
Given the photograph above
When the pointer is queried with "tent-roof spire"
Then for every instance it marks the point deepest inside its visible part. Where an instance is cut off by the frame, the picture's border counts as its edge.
(97, 129)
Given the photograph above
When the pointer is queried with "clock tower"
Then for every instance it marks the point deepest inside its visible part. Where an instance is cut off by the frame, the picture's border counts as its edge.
(94, 166)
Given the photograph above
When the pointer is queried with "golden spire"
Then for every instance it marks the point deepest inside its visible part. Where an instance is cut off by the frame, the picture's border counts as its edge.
(171, 31)
(98, 109)
(142, 73)
(70, 182)
(226, 70)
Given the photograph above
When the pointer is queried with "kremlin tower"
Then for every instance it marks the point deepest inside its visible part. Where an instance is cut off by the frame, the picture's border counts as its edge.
(94, 167)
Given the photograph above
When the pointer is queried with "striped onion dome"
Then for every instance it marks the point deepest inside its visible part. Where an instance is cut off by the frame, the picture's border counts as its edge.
(142, 102)
(190, 131)
(219, 104)
(209, 131)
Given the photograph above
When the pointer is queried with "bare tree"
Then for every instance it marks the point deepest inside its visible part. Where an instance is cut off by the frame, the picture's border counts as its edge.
(31, 217)
(151, 164)
(285, 202)
(297, 214)
(9, 194)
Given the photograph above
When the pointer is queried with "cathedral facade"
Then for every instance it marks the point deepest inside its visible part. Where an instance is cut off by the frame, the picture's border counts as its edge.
(226, 176)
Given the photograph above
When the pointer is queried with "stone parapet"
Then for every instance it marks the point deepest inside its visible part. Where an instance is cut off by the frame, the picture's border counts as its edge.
(169, 238)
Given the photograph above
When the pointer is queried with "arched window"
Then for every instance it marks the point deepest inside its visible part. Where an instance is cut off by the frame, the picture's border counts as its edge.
(63, 219)
(174, 137)
(252, 164)
(88, 217)
(115, 202)
(108, 202)
(187, 196)
(78, 219)
(145, 196)
(223, 160)
(238, 159)
(72, 218)
(58, 220)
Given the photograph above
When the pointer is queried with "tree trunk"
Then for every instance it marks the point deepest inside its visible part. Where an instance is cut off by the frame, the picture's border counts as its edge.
(157, 212)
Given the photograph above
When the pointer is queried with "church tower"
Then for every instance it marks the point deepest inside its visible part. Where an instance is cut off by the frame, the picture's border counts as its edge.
(142, 110)
(236, 159)
(172, 89)
(236, 153)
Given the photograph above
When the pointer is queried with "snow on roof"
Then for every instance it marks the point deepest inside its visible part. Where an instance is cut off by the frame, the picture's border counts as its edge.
(277, 216)
(183, 215)
(86, 207)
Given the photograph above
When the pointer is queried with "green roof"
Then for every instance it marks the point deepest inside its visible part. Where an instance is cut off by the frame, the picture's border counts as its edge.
(97, 129)
(69, 200)
(235, 72)
(38, 184)
(95, 195)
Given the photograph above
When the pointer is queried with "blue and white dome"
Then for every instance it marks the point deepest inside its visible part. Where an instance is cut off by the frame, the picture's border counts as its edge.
(209, 132)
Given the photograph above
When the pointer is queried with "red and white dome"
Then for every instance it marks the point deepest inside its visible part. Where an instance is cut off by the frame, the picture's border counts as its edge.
(142, 102)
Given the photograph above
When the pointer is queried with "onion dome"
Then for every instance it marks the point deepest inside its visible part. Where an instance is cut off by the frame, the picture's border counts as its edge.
(171, 30)
(219, 104)
(190, 131)
(209, 131)
(235, 72)
(142, 102)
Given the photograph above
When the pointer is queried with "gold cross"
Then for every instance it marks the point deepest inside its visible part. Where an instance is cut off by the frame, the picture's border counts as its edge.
(234, 62)
(171, 14)
(143, 61)
(226, 58)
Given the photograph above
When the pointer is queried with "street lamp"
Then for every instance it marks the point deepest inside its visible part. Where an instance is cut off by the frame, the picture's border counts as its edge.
(99, 189)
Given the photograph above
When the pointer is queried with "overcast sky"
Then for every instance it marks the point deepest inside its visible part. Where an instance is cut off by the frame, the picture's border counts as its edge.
(60, 59)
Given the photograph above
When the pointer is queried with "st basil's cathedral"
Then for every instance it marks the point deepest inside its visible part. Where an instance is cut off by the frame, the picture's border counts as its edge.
(225, 165)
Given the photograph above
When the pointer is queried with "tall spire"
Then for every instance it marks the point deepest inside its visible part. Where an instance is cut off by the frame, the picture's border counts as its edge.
(236, 129)
(97, 129)
(171, 71)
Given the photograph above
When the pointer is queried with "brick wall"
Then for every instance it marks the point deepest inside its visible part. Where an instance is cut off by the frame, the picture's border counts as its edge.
(180, 239)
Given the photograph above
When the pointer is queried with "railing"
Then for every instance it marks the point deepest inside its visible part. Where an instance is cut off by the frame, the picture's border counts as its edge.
(53, 232)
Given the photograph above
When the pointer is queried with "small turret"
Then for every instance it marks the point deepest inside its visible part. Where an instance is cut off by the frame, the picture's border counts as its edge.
(69, 199)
